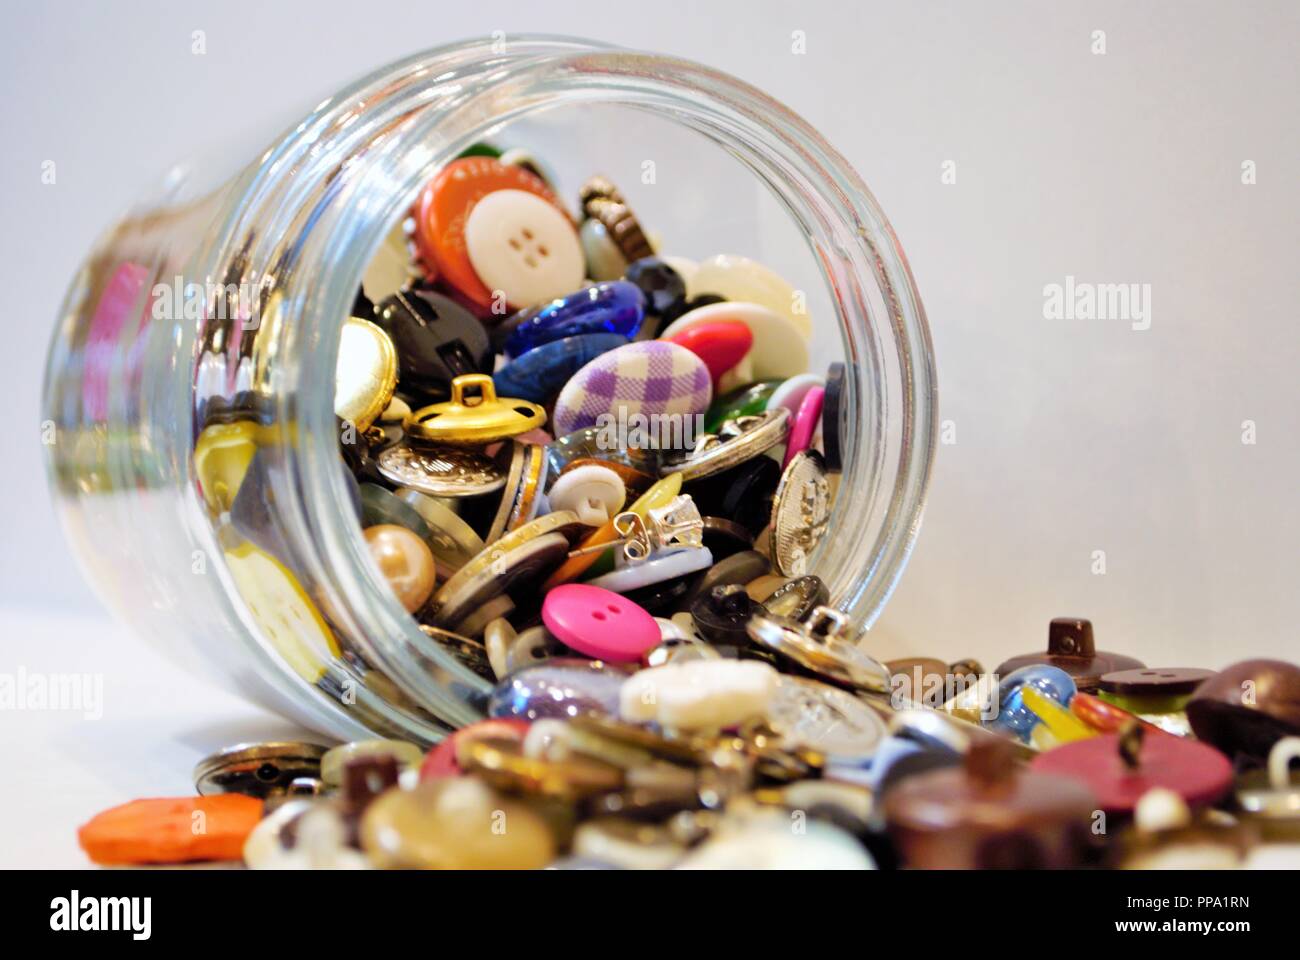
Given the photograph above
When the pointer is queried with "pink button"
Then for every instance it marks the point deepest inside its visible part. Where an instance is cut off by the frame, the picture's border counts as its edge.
(805, 424)
(599, 622)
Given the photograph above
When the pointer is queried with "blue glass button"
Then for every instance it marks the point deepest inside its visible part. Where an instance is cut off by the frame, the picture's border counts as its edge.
(561, 687)
(613, 307)
(1016, 718)
(539, 374)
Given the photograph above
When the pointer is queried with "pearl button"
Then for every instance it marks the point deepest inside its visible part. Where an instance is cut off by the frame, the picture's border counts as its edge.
(405, 562)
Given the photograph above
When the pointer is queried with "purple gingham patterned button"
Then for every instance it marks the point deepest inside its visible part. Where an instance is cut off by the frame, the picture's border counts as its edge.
(649, 377)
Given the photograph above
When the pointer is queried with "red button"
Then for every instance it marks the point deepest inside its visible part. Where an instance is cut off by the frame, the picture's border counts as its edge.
(721, 344)
(1196, 772)
(1106, 717)
(441, 761)
(444, 208)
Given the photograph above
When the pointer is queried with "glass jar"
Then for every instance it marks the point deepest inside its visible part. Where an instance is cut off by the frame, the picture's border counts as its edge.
(151, 365)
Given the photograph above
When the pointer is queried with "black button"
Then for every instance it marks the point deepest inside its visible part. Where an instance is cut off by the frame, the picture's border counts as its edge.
(436, 340)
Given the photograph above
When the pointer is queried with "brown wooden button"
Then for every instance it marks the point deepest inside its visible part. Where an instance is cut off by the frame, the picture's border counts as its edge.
(988, 814)
(1070, 646)
(1246, 708)
(1162, 682)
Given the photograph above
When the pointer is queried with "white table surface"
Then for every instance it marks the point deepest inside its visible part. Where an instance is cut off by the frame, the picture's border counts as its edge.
(158, 721)
(62, 767)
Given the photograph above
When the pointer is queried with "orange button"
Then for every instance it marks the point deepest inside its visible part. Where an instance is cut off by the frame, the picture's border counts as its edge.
(444, 208)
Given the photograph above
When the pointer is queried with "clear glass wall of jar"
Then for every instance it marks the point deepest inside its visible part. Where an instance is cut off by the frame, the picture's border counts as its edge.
(301, 620)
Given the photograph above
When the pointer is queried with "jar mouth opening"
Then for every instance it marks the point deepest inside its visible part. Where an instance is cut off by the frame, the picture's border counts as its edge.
(369, 152)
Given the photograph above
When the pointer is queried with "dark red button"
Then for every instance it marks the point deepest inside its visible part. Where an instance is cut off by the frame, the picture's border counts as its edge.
(441, 761)
(1196, 772)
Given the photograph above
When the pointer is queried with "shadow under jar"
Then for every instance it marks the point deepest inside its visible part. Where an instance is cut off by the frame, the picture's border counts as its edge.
(300, 620)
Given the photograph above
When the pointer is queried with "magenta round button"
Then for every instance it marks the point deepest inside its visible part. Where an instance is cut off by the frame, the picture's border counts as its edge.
(599, 622)
(805, 424)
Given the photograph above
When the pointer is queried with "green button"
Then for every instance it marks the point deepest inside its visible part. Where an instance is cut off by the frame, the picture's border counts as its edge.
(746, 402)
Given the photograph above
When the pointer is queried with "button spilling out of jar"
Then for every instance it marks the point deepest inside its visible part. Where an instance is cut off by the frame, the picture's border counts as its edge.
(598, 476)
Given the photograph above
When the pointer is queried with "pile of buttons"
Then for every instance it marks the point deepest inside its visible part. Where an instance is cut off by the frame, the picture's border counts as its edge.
(596, 476)
(567, 446)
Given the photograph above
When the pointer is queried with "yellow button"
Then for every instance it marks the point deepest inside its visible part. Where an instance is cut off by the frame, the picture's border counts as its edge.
(287, 617)
(221, 458)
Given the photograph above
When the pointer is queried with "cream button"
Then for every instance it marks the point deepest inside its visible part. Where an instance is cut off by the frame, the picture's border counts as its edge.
(699, 694)
(780, 349)
(593, 492)
(742, 279)
(264, 847)
(685, 623)
(768, 843)
(627, 844)
(524, 247)
(547, 739)
(336, 760)
(321, 840)
(604, 260)
(671, 630)
(396, 411)
(391, 269)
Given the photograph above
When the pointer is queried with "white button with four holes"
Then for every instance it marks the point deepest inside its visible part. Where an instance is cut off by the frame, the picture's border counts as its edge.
(524, 247)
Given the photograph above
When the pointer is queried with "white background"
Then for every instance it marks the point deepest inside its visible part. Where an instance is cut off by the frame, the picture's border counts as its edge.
(1071, 436)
